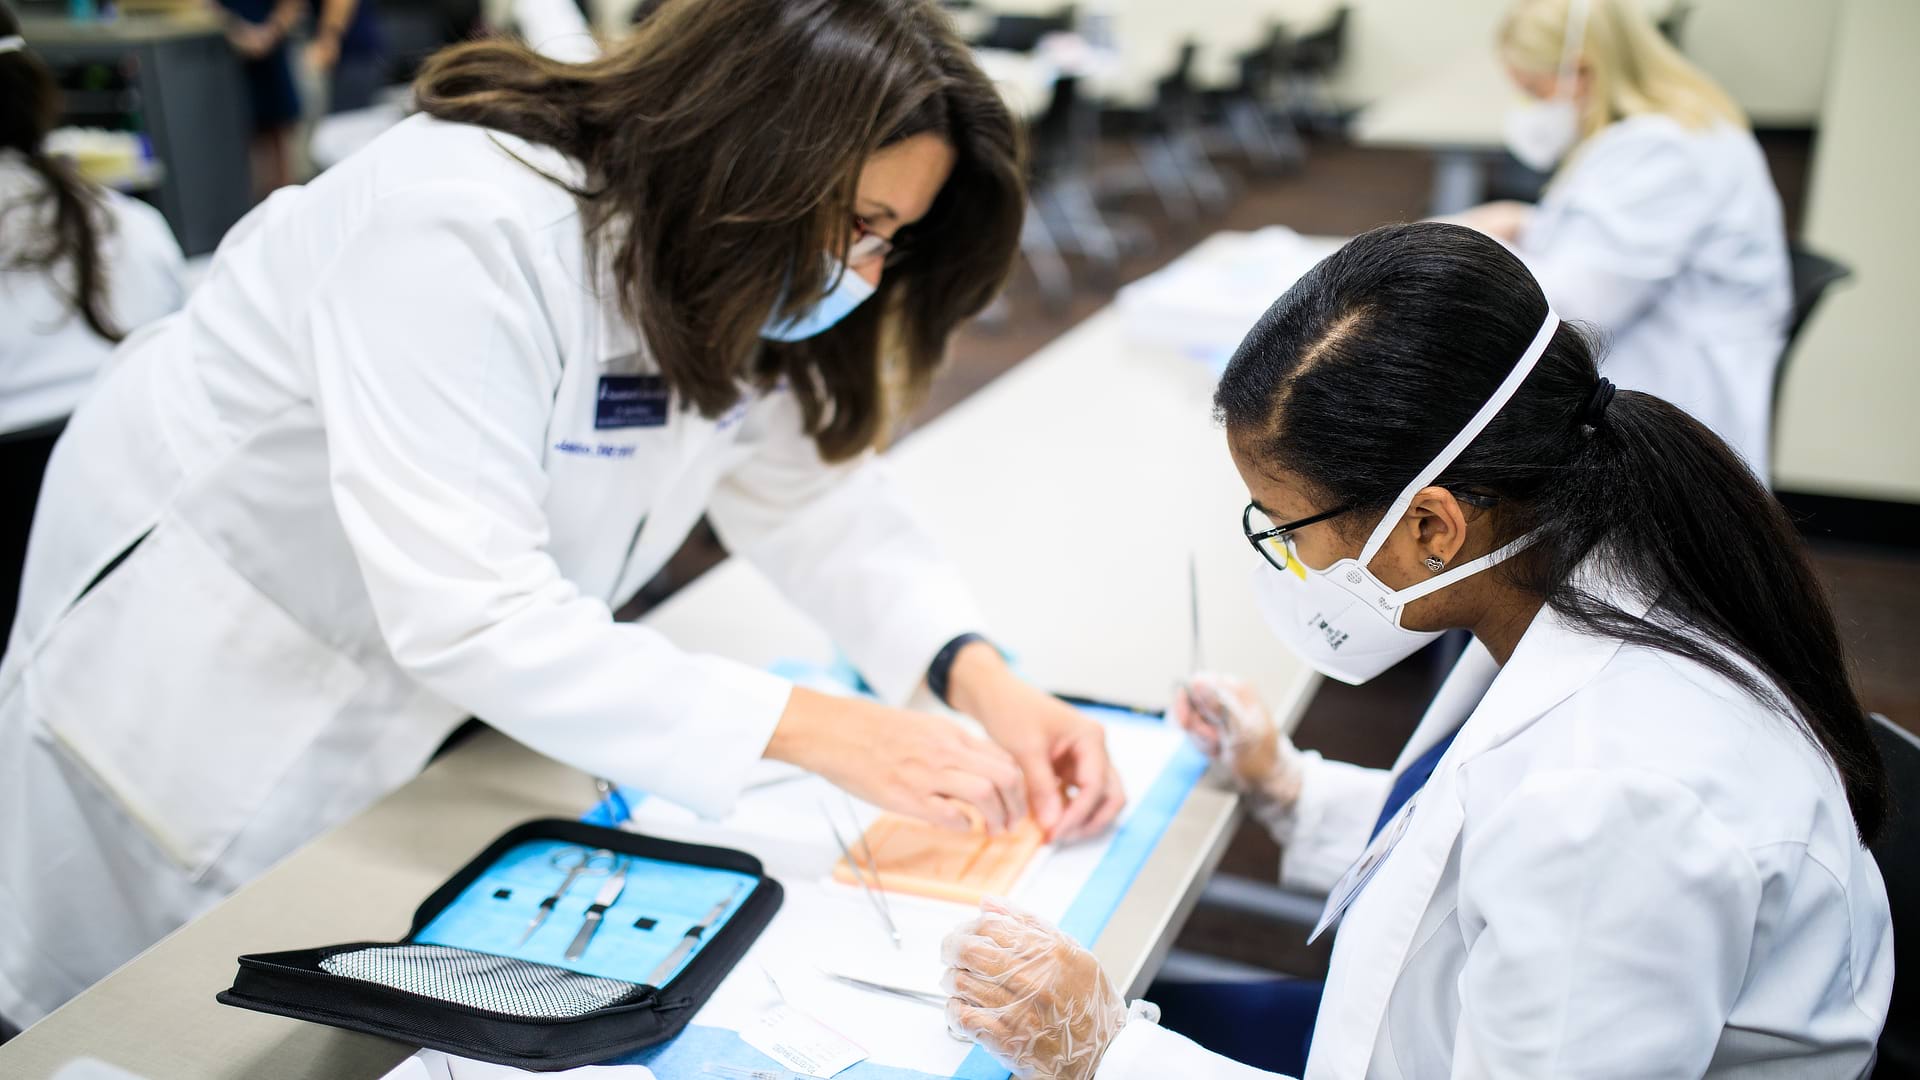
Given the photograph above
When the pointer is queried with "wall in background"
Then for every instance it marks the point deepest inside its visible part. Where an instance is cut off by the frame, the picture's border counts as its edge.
(1773, 56)
(1770, 54)
(1848, 426)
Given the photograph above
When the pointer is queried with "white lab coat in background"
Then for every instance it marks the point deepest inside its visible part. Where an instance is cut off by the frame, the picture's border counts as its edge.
(1622, 867)
(374, 500)
(1671, 241)
(48, 353)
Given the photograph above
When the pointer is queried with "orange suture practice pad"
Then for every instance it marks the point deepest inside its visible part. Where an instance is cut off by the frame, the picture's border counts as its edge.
(926, 860)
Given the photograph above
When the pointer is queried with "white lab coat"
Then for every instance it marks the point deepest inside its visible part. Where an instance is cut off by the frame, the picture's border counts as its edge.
(1622, 867)
(1671, 241)
(48, 353)
(374, 501)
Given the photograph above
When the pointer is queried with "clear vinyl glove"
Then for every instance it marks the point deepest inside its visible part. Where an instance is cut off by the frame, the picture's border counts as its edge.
(1029, 995)
(1227, 720)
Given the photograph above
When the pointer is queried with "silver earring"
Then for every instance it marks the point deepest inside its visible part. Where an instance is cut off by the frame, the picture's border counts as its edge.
(1435, 564)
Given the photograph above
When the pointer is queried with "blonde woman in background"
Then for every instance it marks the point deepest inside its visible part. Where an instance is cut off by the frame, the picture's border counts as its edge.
(1661, 226)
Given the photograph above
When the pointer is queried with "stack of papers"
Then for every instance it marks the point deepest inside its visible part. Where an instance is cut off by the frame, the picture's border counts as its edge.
(1201, 308)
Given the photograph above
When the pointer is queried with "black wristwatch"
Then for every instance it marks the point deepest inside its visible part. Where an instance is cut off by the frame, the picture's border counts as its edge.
(942, 667)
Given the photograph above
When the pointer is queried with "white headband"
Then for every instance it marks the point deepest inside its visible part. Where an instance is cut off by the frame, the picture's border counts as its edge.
(12, 43)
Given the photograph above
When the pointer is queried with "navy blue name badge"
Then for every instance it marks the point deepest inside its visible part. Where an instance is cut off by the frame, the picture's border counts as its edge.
(626, 401)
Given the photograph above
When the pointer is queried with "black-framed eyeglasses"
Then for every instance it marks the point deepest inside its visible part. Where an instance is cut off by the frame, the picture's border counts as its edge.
(1271, 541)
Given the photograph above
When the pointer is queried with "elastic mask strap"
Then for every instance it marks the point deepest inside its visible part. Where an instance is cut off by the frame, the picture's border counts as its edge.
(1465, 570)
(1574, 38)
(12, 43)
(1501, 395)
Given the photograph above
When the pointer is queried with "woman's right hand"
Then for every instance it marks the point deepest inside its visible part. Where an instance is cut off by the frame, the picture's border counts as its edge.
(912, 763)
(1227, 720)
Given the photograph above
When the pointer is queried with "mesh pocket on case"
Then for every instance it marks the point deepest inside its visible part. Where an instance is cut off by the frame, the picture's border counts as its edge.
(480, 980)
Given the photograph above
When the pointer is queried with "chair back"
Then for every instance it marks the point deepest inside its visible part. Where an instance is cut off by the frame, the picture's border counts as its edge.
(1321, 51)
(1898, 853)
(1812, 275)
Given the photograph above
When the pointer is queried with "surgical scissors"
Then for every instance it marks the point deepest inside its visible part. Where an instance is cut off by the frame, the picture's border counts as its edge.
(578, 862)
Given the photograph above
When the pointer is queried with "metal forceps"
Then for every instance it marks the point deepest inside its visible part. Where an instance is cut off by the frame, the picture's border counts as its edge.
(876, 892)
(578, 862)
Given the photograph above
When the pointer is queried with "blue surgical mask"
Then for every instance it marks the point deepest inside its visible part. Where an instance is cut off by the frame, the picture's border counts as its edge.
(849, 291)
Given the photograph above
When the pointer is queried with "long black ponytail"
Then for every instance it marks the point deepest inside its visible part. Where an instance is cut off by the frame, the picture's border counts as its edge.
(29, 108)
(1375, 359)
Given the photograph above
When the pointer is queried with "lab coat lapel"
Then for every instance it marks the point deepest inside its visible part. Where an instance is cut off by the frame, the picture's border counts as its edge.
(1465, 685)
(1550, 664)
(603, 483)
(683, 459)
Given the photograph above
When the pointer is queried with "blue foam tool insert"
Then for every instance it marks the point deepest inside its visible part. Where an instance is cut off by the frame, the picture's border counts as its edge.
(676, 896)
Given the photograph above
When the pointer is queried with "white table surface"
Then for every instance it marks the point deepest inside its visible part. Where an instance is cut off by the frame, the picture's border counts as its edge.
(1070, 491)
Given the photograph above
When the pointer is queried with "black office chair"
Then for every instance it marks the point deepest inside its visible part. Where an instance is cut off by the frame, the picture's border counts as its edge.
(1311, 62)
(1812, 274)
(1172, 149)
(1056, 160)
(1898, 853)
(1022, 33)
(1256, 109)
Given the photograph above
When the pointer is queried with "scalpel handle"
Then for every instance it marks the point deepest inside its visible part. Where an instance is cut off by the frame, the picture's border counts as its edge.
(592, 923)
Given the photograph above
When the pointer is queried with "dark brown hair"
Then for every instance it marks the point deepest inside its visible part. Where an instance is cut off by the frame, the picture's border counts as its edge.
(29, 108)
(722, 145)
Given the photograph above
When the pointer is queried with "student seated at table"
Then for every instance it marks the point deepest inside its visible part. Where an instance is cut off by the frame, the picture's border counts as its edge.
(80, 266)
(1661, 225)
(1627, 838)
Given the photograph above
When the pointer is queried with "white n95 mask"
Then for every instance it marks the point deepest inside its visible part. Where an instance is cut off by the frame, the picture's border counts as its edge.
(1540, 133)
(849, 291)
(1344, 621)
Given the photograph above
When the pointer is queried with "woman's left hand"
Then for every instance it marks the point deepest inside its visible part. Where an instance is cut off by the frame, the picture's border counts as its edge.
(1072, 787)
(1029, 995)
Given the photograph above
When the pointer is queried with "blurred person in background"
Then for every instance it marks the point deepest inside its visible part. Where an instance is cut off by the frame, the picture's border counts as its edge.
(344, 49)
(348, 50)
(1661, 225)
(80, 267)
(258, 31)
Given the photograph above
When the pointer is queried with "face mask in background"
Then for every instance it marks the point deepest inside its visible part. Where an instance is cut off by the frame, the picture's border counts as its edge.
(849, 291)
(1539, 133)
(1344, 621)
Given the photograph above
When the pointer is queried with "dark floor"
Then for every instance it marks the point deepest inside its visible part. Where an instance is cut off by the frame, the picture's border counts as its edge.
(1343, 190)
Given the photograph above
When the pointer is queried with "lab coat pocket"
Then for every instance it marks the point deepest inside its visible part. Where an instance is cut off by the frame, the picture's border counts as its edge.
(215, 692)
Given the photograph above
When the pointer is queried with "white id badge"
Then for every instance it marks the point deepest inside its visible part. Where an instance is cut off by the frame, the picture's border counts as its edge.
(1348, 887)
